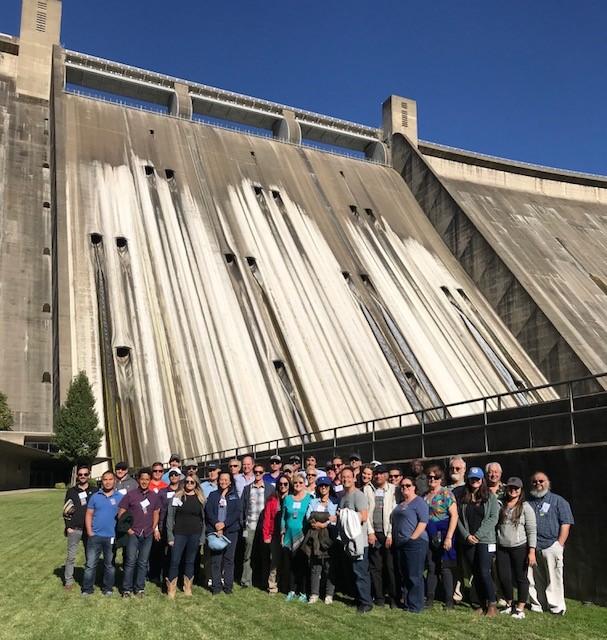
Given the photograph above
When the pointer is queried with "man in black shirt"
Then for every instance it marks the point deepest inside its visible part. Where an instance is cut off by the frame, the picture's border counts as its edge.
(74, 510)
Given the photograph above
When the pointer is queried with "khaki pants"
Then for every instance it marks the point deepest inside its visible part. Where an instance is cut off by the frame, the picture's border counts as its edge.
(546, 588)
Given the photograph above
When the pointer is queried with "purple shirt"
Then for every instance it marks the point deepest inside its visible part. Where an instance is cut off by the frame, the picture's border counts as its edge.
(135, 503)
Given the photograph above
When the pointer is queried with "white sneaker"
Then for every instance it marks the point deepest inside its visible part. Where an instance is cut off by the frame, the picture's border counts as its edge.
(536, 608)
(507, 611)
(501, 604)
(518, 615)
(329, 600)
(313, 599)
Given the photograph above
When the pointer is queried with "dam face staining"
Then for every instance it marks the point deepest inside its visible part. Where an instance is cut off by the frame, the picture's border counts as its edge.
(220, 288)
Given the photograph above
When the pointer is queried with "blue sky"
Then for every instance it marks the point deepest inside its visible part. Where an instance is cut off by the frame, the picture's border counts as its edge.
(523, 80)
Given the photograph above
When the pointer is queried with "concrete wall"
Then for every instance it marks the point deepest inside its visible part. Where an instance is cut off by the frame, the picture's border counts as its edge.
(229, 288)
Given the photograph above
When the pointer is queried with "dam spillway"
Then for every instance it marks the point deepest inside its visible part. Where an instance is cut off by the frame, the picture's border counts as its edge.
(221, 288)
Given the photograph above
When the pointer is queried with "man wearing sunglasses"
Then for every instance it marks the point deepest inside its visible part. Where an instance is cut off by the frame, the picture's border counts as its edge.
(554, 519)
(254, 499)
(74, 510)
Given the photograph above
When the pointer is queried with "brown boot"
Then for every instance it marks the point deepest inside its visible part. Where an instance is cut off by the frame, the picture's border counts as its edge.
(171, 588)
(187, 586)
(491, 610)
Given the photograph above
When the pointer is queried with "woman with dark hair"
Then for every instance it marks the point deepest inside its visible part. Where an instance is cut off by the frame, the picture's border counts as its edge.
(441, 527)
(272, 515)
(409, 521)
(185, 533)
(223, 513)
(478, 513)
(292, 523)
(516, 540)
(364, 481)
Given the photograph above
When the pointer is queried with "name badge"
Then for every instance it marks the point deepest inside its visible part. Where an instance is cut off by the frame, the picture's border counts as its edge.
(321, 507)
(155, 490)
(339, 487)
(222, 502)
(379, 493)
(111, 540)
(545, 507)
(113, 502)
(170, 494)
(122, 491)
(491, 548)
(145, 504)
(82, 495)
(177, 502)
(297, 505)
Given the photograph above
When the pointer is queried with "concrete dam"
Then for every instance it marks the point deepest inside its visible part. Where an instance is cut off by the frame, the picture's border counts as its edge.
(222, 287)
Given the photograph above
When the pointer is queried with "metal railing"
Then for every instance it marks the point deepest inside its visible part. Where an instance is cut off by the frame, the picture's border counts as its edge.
(198, 119)
(416, 424)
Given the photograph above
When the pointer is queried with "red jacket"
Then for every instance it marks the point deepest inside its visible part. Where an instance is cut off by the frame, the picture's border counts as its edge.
(271, 518)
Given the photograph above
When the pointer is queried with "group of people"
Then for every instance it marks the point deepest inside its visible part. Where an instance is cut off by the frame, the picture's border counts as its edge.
(403, 539)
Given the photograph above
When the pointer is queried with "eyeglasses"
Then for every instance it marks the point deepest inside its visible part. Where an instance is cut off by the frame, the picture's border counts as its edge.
(538, 481)
(457, 468)
(298, 483)
(190, 482)
(283, 484)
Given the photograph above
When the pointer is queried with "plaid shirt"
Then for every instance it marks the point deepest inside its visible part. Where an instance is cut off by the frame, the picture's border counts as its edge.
(255, 506)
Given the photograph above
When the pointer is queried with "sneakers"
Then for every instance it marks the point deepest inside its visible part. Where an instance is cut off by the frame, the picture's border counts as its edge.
(107, 594)
(303, 597)
(519, 614)
(507, 611)
(313, 599)
(536, 608)
(127, 594)
(364, 608)
(291, 596)
(139, 594)
(328, 599)
(502, 604)
(86, 594)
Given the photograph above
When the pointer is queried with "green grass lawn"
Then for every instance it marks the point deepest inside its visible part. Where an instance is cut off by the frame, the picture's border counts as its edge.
(34, 605)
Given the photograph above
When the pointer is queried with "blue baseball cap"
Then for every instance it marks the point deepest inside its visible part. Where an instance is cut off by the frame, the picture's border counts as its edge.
(475, 472)
(324, 480)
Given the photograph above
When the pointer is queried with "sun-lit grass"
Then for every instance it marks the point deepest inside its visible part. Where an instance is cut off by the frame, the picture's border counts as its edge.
(34, 605)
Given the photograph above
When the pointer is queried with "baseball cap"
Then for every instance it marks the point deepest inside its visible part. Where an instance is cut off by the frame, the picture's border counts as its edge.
(380, 468)
(514, 482)
(275, 459)
(212, 466)
(294, 459)
(121, 465)
(287, 467)
(476, 472)
(355, 456)
(175, 457)
(324, 481)
(174, 472)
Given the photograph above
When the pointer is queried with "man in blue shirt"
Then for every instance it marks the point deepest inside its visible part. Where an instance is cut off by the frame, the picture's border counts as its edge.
(210, 484)
(554, 520)
(100, 523)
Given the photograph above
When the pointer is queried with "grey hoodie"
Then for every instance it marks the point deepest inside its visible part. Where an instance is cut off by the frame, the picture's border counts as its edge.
(524, 532)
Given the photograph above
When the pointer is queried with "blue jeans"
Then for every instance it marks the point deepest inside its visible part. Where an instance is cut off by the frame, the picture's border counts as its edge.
(95, 546)
(412, 560)
(362, 579)
(189, 545)
(137, 554)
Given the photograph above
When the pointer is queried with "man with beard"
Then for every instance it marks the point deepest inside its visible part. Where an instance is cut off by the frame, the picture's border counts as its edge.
(554, 520)
(457, 473)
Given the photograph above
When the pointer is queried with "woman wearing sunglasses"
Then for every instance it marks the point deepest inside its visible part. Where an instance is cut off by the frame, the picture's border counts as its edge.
(516, 540)
(409, 521)
(185, 533)
(441, 528)
(294, 510)
(478, 514)
(272, 515)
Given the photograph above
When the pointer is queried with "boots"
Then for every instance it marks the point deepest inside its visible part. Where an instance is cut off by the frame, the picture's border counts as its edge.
(187, 586)
(171, 588)
(491, 610)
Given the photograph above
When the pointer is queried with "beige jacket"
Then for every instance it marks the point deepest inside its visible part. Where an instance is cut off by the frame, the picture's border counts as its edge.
(389, 504)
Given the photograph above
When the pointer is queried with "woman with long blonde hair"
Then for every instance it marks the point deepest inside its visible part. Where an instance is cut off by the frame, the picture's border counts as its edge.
(185, 532)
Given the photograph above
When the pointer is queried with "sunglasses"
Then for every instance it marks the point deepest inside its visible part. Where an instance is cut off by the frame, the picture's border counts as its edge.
(232, 466)
(298, 483)
(190, 482)
(538, 481)
(259, 473)
(275, 462)
(310, 475)
(84, 475)
(283, 484)
(407, 485)
(457, 468)
(394, 477)
(157, 470)
(433, 477)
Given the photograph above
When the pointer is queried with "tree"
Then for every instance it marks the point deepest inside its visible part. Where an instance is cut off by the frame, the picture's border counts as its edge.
(6, 415)
(76, 433)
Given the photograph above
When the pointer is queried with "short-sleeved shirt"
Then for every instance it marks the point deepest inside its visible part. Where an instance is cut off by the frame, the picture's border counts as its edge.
(104, 507)
(141, 505)
(551, 511)
(406, 517)
(439, 504)
(357, 501)
(207, 487)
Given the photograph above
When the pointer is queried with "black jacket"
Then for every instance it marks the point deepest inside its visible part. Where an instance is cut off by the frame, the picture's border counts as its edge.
(75, 520)
(246, 496)
(233, 521)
